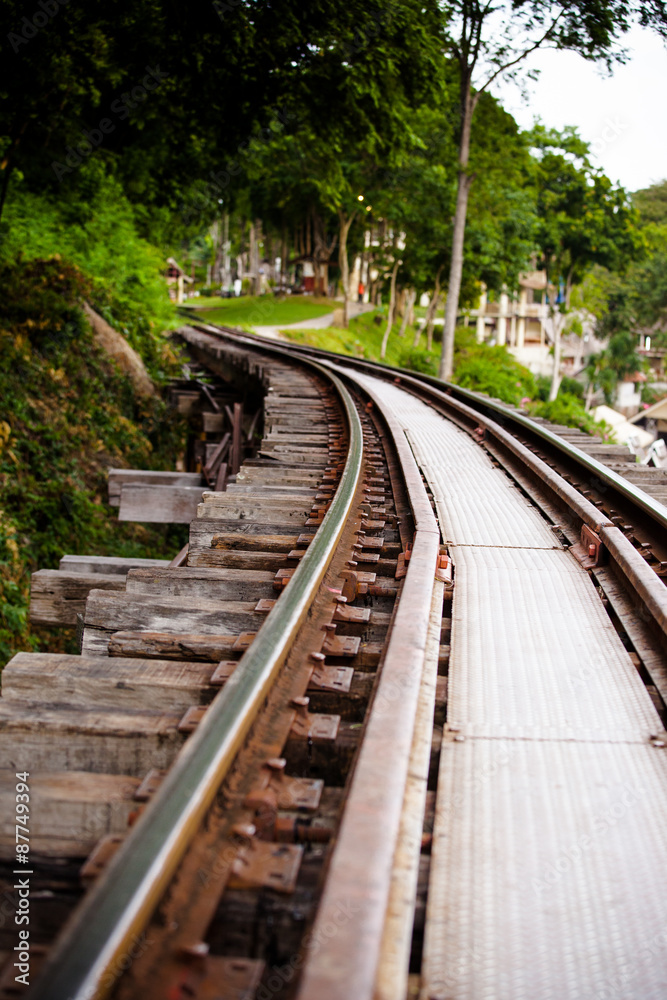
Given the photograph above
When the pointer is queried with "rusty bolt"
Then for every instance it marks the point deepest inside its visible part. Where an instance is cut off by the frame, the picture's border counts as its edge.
(199, 949)
(276, 764)
(246, 831)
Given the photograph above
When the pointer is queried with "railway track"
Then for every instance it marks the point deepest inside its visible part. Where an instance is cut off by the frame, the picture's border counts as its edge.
(393, 726)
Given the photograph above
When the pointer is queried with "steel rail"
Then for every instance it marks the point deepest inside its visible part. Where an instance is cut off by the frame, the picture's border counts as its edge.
(631, 492)
(649, 588)
(94, 948)
(359, 878)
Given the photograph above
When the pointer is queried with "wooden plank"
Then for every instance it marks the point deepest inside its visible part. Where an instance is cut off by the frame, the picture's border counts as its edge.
(56, 597)
(99, 681)
(106, 564)
(69, 812)
(159, 504)
(213, 423)
(211, 584)
(115, 612)
(257, 491)
(203, 530)
(287, 476)
(260, 561)
(260, 510)
(147, 477)
(255, 543)
(38, 738)
(284, 453)
(165, 646)
(290, 435)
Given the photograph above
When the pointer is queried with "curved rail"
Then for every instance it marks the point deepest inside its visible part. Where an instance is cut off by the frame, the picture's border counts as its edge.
(91, 954)
(648, 587)
(655, 510)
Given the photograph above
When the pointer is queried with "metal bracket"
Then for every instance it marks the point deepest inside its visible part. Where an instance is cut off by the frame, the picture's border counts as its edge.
(590, 551)
(263, 865)
(443, 571)
(223, 672)
(192, 718)
(317, 728)
(341, 645)
(149, 785)
(326, 678)
(210, 977)
(100, 857)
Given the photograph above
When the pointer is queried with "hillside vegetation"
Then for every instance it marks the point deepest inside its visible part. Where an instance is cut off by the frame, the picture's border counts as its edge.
(67, 415)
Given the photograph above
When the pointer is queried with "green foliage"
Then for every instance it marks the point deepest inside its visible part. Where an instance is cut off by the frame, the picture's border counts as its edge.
(583, 218)
(363, 339)
(417, 360)
(568, 386)
(651, 395)
(68, 416)
(492, 370)
(567, 409)
(126, 284)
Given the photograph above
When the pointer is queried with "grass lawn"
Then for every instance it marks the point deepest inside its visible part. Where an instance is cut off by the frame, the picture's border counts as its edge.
(261, 310)
(363, 339)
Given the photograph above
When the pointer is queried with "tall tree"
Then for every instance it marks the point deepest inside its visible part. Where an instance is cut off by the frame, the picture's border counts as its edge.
(490, 39)
(583, 220)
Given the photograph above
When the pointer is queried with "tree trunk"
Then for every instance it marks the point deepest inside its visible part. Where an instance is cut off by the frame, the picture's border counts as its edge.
(429, 331)
(468, 103)
(589, 396)
(432, 309)
(344, 228)
(557, 324)
(407, 312)
(392, 306)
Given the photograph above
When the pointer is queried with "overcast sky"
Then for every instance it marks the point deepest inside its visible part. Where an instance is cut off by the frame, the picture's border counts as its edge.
(624, 116)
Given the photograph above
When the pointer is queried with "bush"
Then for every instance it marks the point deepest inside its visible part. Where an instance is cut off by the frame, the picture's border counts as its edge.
(567, 409)
(123, 272)
(567, 385)
(68, 416)
(492, 370)
(418, 360)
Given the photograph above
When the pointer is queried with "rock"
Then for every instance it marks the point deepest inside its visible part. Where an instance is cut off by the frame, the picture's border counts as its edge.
(115, 345)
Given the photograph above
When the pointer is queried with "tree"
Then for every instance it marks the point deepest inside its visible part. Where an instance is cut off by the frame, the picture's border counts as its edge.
(217, 76)
(485, 47)
(582, 220)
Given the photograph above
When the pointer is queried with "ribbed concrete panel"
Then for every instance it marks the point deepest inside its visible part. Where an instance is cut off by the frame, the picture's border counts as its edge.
(535, 655)
(476, 502)
(548, 873)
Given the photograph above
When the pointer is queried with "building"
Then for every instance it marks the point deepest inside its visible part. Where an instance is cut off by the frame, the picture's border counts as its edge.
(522, 322)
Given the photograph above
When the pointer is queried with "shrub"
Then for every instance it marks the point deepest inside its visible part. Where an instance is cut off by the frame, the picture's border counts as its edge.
(418, 360)
(494, 371)
(567, 409)
(567, 385)
(123, 273)
(68, 416)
